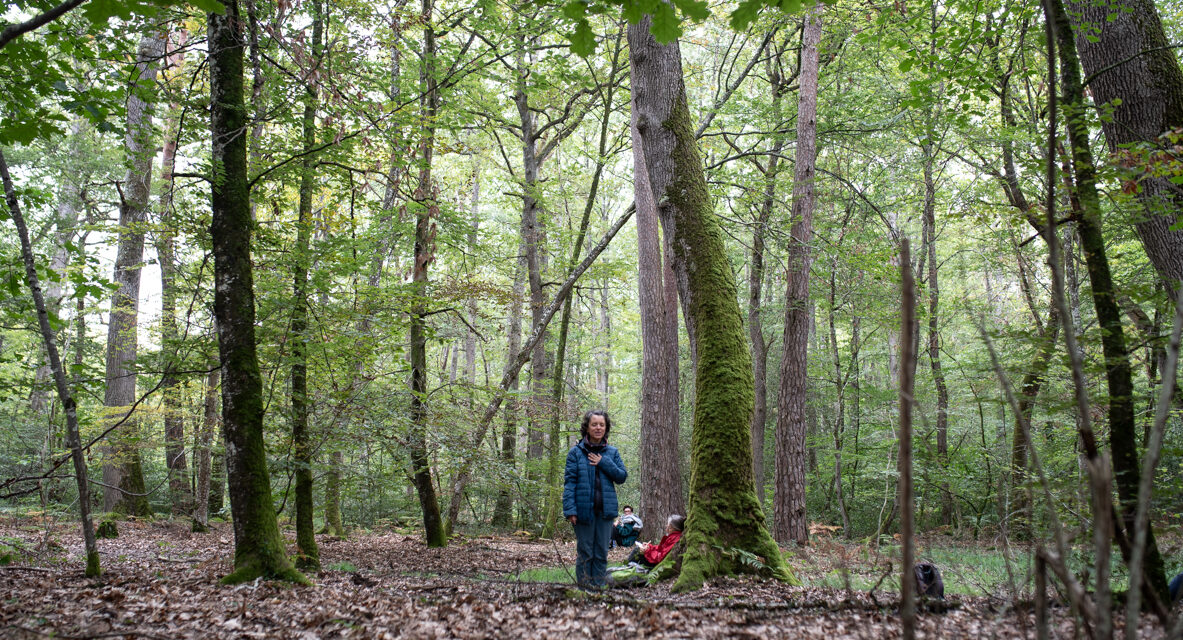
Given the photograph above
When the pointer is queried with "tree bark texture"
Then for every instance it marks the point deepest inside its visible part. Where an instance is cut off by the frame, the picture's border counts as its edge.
(308, 558)
(1133, 71)
(660, 469)
(123, 473)
(724, 511)
(1123, 439)
(205, 438)
(789, 518)
(258, 547)
(907, 385)
(73, 441)
(426, 211)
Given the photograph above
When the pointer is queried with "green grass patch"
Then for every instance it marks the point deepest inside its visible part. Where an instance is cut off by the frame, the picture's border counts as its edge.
(342, 566)
(565, 575)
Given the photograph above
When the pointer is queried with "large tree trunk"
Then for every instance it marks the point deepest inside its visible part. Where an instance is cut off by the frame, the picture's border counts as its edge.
(1133, 70)
(258, 547)
(308, 558)
(427, 211)
(724, 511)
(791, 524)
(660, 472)
(1123, 438)
(73, 441)
(123, 473)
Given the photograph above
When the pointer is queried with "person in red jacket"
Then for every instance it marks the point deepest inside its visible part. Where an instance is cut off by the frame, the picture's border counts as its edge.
(650, 555)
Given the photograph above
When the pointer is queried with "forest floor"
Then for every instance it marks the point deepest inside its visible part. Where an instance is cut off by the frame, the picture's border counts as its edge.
(161, 581)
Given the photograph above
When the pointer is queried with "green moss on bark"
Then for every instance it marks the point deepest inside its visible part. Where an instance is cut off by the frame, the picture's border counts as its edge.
(92, 565)
(724, 510)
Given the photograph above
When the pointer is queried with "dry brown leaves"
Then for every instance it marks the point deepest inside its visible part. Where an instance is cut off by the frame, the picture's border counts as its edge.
(160, 581)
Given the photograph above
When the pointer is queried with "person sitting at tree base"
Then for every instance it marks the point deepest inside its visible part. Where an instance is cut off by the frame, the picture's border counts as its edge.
(645, 556)
(626, 529)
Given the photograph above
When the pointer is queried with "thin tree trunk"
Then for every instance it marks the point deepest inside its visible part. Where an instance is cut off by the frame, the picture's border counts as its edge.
(217, 477)
(840, 382)
(533, 234)
(69, 202)
(503, 511)
(258, 547)
(907, 379)
(209, 426)
(779, 86)
(790, 521)
(428, 209)
(174, 425)
(934, 335)
(604, 357)
(308, 557)
(123, 475)
(73, 442)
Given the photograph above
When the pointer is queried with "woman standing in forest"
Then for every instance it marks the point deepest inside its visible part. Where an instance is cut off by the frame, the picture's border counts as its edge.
(593, 469)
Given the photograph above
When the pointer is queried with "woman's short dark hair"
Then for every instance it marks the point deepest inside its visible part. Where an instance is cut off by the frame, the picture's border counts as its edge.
(587, 418)
(627, 506)
(677, 522)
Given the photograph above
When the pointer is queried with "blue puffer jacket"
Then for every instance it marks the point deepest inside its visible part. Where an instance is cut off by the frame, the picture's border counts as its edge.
(578, 485)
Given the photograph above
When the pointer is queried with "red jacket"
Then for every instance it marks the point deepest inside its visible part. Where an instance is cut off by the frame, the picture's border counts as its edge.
(655, 554)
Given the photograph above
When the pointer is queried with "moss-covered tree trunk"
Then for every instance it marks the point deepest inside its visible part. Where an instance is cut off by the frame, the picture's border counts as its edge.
(724, 515)
(258, 547)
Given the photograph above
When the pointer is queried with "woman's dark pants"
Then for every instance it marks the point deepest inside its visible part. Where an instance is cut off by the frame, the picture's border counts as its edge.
(591, 548)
